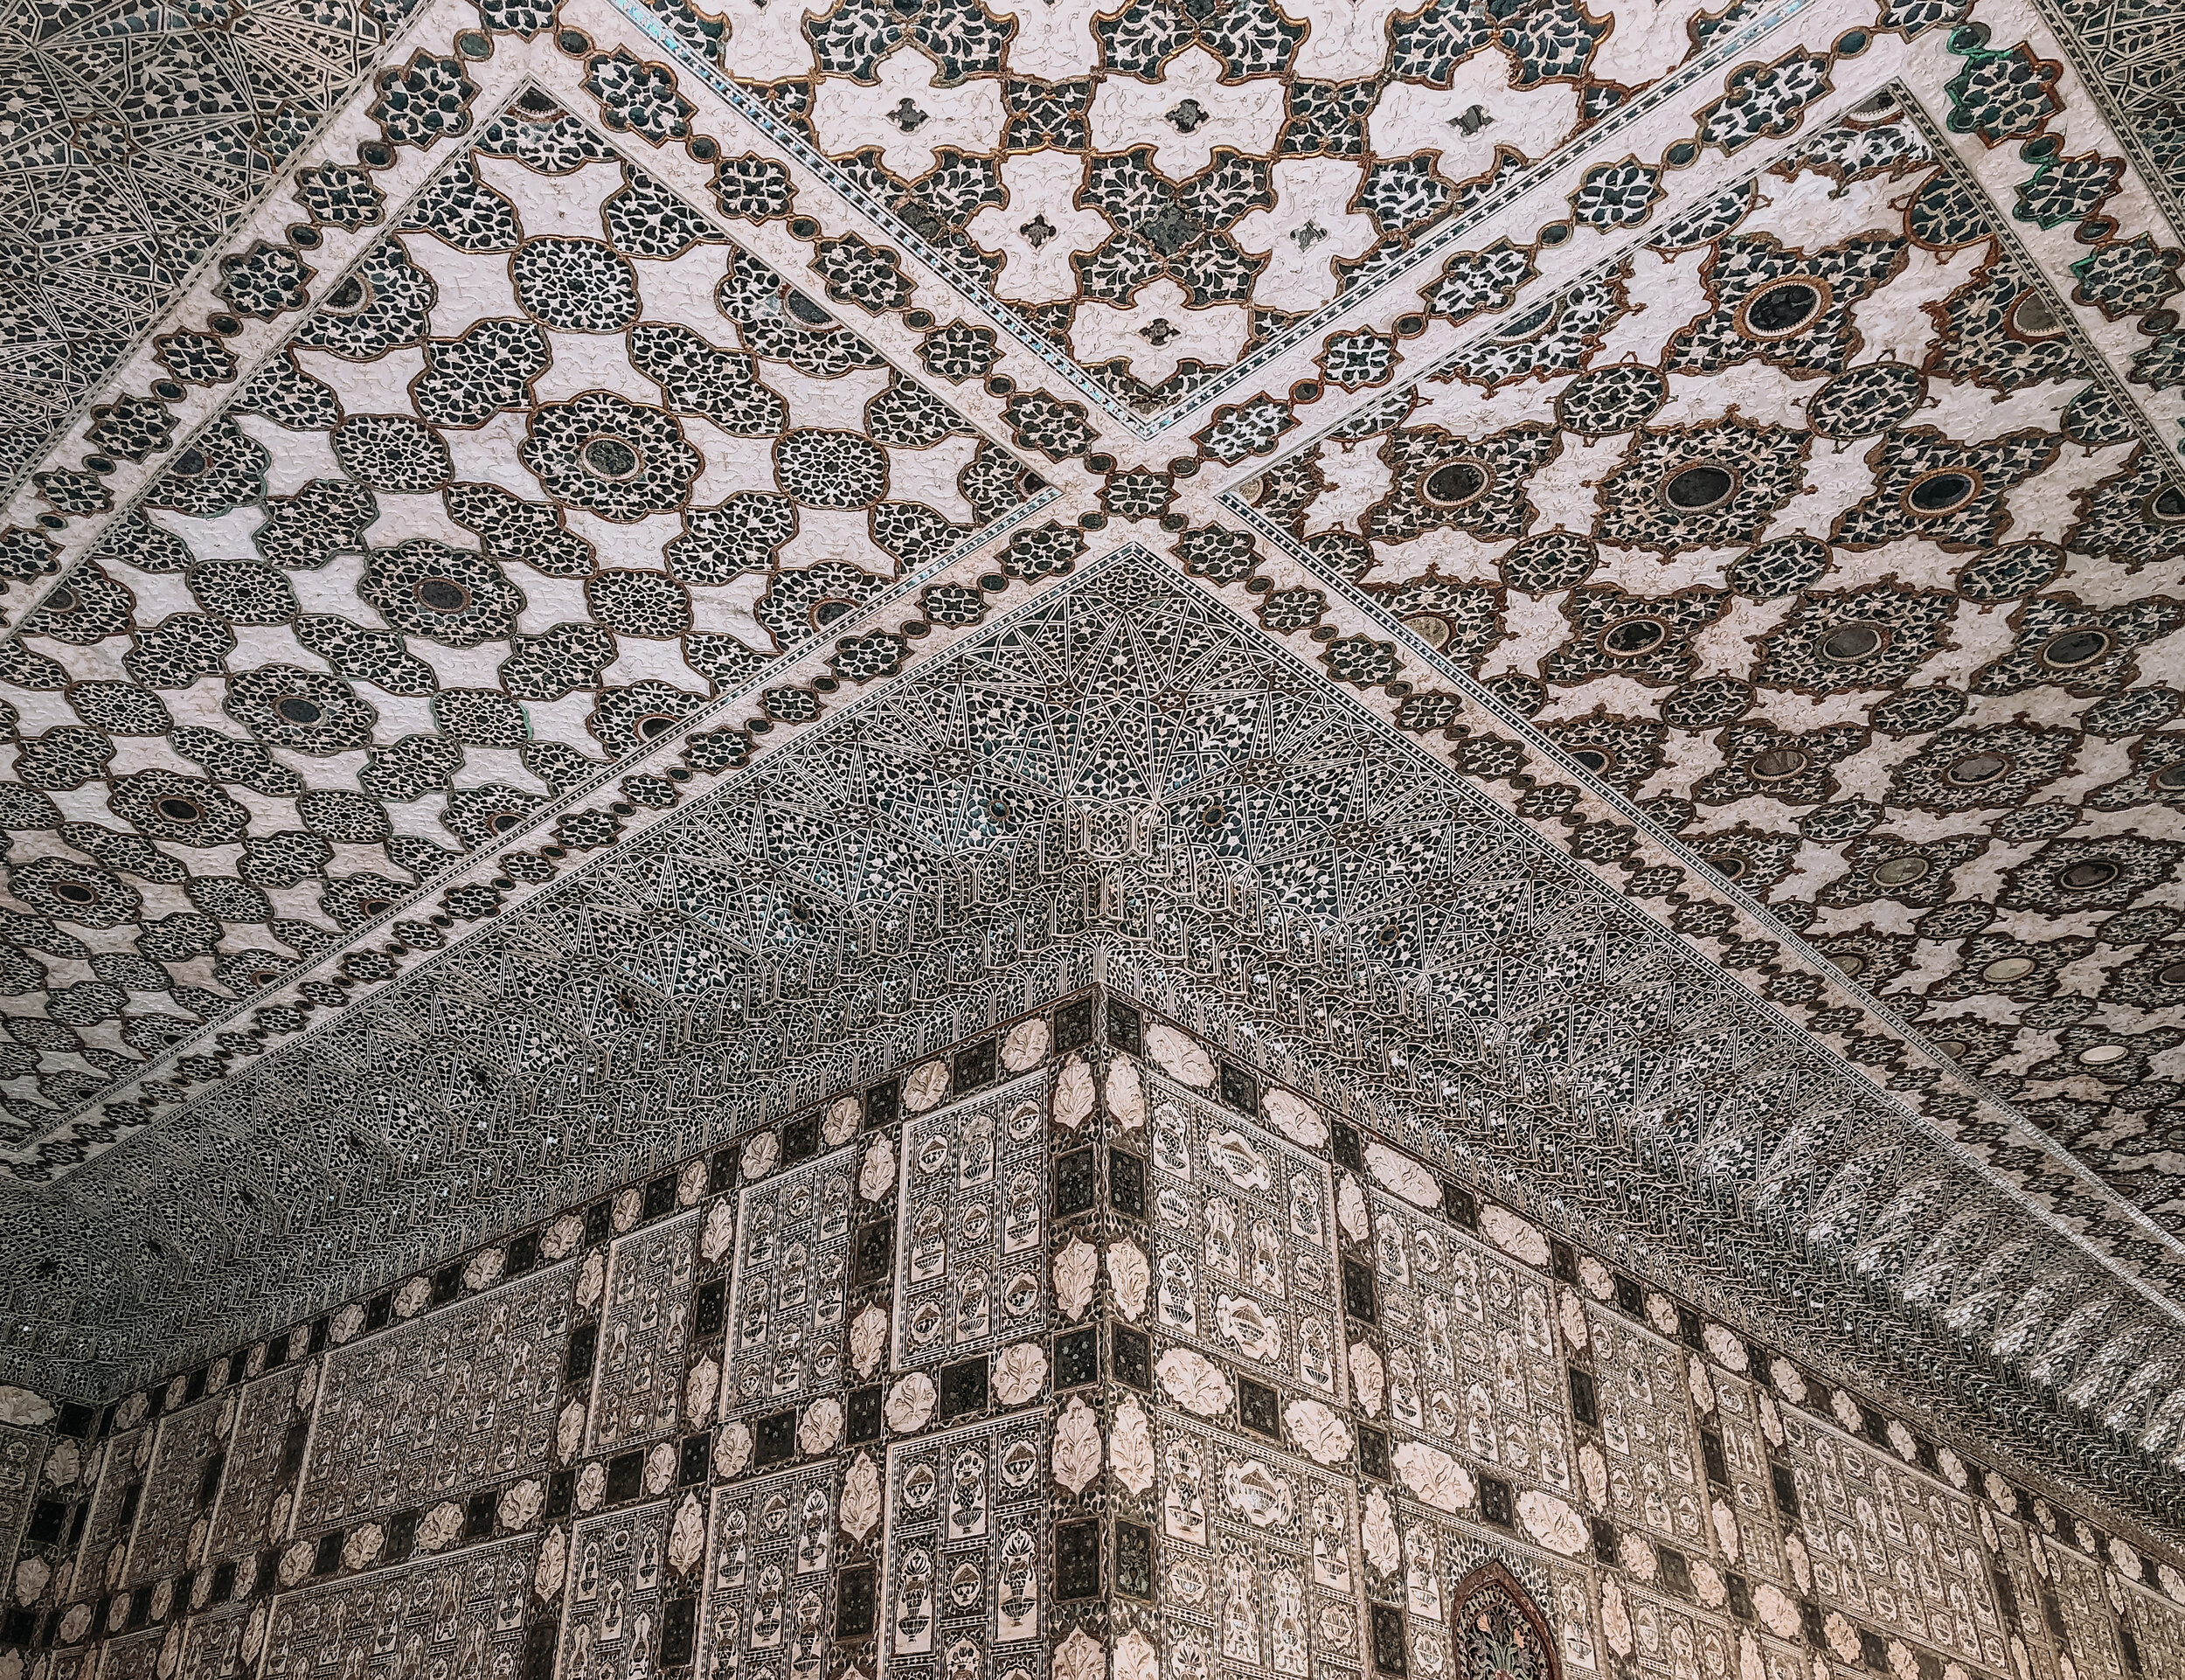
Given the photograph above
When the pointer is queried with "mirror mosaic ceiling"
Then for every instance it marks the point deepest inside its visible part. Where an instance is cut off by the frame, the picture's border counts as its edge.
(1647, 583)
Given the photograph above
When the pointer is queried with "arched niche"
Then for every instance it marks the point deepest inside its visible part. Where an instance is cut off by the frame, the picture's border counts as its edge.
(1498, 1630)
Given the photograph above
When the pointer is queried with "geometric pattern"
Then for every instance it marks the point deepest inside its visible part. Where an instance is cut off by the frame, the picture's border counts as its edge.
(464, 544)
(860, 908)
(136, 140)
(1214, 840)
(1912, 715)
(1267, 1396)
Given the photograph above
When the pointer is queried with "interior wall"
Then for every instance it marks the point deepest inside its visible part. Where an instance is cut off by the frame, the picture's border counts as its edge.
(1079, 1344)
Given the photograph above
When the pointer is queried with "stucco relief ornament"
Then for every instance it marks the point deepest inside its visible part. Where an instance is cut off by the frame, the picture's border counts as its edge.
(1130, 1447)
(561, 1239)
(440, 1527)
(821, 1425)
(1026, 1044)
(1295, 1118)
(1073, 1101)
(412, 1297)
(1244, 1321)
(295, 1563)
(844, 1114)
(1076, 1268)
(1079, 1657)
(1129, 1277)
(759, 1155)
(732, 1449)
(719, 1235)
(1552, 1523)
(868, 1338)
(1077, 1451)
(1437, 1479)
(520, 1505)
(875, 1176)
(1350, 1210)
(1378, 1535)
(1615, 1616)
(1257, 1494)
(1195, 1381)
(700, 1388)
(1135, 1658)
(1570, 1314)
(1394, 1171)
(1020, 1373)
(927, 1085)
(1242, 1165)
(553, 1564)
(1593, 1472)
(361, 1550)
(686, 1535)
(23, 1408)
(569, 1431)
(1319, 1430)
(1182, 1057)
(1126, 1094)
(860, 1510)
(1367, 1377)
(1513, 1236)
(911, 1403)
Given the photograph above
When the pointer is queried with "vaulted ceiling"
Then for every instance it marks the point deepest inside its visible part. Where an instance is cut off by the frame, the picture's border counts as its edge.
(1618, 574)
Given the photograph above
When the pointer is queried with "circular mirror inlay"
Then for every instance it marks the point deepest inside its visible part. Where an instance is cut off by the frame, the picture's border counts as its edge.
(2072, 649)
(1455, 483)
(1781, 307)
(1697, 488)
(349, 297)
(2102, 1055)
(2031, 317)
(441, 595)
(295, 709)
(1903, 871)
(1943, 492)
(1852, 642)
(1779, 764)
(610, 458)
(2089, 874)
(1632, 637)
(1976, 768)
(2007, 969)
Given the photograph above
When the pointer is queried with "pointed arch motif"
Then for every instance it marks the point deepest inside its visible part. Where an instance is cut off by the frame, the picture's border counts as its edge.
(1501, 1634)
